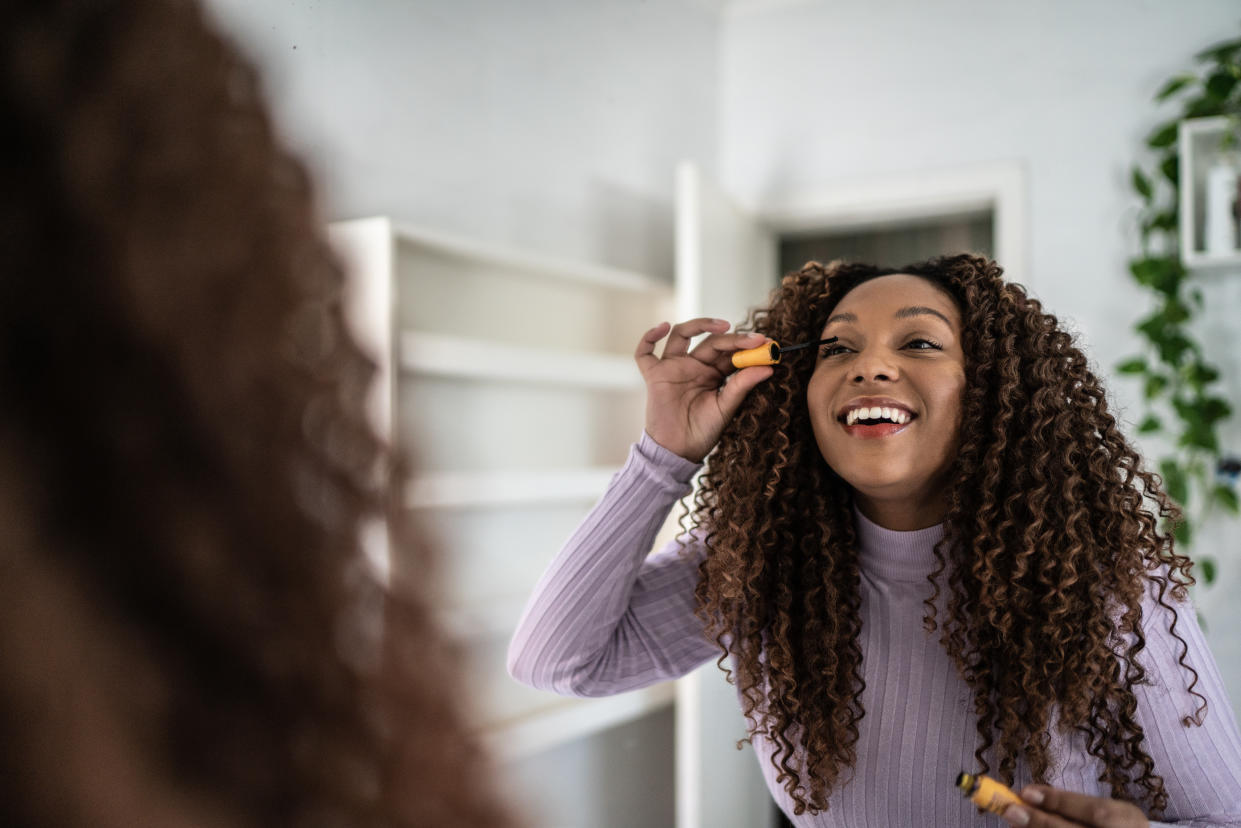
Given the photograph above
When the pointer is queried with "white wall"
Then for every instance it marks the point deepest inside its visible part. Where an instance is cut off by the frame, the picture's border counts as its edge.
(816, 93)
(554, 125)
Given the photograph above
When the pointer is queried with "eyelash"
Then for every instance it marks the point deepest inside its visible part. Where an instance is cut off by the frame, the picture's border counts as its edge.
(831, 350)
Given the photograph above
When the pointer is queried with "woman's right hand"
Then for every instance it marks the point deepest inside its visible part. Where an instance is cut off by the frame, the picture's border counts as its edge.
(692, 394)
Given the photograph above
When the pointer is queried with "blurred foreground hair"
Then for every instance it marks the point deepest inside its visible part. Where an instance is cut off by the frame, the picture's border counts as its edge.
(189, 632)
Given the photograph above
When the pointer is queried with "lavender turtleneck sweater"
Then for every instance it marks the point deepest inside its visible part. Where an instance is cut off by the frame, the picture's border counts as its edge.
(607, 617)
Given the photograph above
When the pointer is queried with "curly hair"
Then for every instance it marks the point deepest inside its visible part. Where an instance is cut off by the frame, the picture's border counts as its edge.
(189, 633)
(1053, 533)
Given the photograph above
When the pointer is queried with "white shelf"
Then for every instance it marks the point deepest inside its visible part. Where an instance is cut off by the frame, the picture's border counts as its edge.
(494, 618)
(1197, 145)
(1204, 261)
(531, 263)
(572, 719)
(465, 358)
(448, 490)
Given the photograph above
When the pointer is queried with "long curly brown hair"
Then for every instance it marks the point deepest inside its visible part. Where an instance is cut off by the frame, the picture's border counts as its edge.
(189, 634)
(1052, 534)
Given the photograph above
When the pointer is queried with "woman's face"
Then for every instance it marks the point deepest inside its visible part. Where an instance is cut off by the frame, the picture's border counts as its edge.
(885, 400)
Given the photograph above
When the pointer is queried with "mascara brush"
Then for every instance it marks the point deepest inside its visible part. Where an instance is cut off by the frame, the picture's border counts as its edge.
(771, 352)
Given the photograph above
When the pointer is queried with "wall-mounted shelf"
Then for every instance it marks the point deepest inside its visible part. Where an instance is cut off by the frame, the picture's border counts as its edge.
(572, 719)
(453, 356)
(464, 490)
(1199, 147)
(529, 264)
(494, 616)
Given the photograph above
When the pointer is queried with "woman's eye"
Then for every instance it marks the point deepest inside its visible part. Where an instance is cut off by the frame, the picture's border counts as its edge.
(923, 345)
(832, 350)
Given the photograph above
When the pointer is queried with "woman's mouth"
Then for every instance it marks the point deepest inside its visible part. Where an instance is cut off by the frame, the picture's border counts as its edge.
(870, 422)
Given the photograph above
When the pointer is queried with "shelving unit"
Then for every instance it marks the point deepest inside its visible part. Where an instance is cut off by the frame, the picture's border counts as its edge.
(1199, 147)
(448, 490)
(479, 359)
(574, 719)
(509, 379)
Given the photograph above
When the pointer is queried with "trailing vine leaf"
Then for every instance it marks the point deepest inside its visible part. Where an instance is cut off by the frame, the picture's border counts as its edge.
(1175, 312)
(1178, 382)
(1215, 409)
(1174, 85)
(1203, 107)
(1221, 52)
(1227, 498)
(1183, 533)
(1174, 480)
(1155, 383)
(1150, 424)
(1142, 184)
(1221, 84)
(1199, 375)
(1162, 273)
(1164, 136)
(1164, 221)
(1207, 565)
(1170, 166)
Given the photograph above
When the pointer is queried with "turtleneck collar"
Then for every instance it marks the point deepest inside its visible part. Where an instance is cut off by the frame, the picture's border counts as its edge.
(896, 556)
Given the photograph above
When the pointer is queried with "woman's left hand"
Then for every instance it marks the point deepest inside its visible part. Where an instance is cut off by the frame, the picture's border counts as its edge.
(1053, 808)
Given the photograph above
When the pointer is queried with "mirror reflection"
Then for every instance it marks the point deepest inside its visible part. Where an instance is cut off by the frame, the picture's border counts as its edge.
(431, 493)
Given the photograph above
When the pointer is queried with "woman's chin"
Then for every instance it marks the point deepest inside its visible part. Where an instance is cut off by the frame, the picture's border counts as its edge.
(893, 494)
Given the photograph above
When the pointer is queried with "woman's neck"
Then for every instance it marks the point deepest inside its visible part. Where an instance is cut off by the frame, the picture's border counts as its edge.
(902, 515)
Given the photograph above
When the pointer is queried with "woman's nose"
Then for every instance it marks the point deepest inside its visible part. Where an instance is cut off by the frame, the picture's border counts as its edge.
(873, 365)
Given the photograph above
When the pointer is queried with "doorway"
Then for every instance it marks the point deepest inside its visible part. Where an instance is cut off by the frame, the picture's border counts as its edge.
(896, 219)
(892, 245)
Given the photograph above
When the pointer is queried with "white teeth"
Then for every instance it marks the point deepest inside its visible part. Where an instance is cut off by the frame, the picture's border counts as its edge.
(894, 415)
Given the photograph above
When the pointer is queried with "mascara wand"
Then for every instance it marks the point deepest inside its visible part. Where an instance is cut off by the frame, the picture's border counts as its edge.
(771, 352)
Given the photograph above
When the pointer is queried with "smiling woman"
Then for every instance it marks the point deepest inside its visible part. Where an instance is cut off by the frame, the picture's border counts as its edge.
(927, 549)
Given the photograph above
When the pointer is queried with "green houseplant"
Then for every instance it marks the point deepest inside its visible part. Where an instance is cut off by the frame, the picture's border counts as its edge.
(1179, 383)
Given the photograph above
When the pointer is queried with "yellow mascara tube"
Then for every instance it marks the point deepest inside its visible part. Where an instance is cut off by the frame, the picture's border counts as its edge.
(770, 353)
(986, 793)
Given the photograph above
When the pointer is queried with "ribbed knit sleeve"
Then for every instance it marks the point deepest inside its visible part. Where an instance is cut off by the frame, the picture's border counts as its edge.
(606, 617)
(1200, 765)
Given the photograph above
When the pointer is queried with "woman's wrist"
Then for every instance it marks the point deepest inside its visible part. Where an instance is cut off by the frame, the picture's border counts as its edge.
(680, 467)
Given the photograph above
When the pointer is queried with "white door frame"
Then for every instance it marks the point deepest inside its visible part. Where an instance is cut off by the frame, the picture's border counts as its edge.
(874, 201)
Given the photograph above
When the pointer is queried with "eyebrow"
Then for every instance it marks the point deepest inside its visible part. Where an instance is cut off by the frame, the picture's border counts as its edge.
(903, 313)
(919, 310)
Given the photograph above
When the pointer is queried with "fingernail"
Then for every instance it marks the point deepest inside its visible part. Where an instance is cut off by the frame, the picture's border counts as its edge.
(1032, 795)
(1016, 815)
